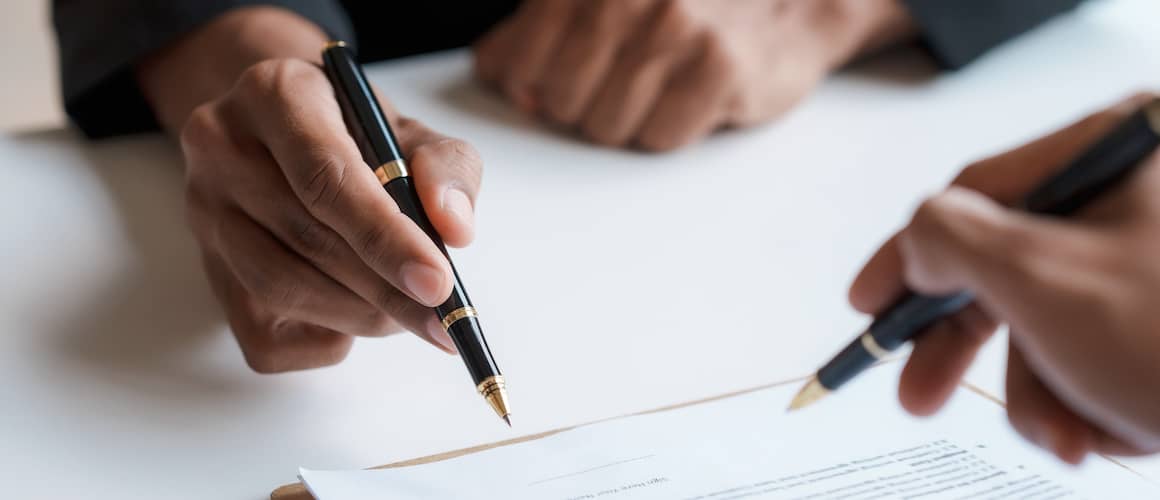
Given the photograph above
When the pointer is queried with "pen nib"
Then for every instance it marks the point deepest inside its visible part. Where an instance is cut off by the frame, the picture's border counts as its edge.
(494, 391)
(810, 394)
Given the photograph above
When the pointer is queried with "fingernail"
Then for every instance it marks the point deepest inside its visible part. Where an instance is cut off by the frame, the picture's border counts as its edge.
(459, 204)
(423, 282)
(439, 335)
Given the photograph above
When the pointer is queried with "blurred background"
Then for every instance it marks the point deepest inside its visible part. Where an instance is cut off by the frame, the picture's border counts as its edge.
(29, 100)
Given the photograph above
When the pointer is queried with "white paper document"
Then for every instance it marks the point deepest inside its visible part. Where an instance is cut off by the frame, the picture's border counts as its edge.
(857, 445)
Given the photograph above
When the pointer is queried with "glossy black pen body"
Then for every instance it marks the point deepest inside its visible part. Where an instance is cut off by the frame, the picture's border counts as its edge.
(380, 149)
(1099, 169)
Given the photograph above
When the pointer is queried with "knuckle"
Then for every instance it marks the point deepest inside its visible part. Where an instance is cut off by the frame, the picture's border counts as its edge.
(673, 21)
(203, 130)
(672, 10)
(257, 80)
(374, 245)
(284, 293)
(601, 17)
(602, 136)
(274, 80)
(276, 290)
(389, 302)
(658, 141)
(313, 240)
(324, 183)
(715, 49)
(561, 103)
(717, 59)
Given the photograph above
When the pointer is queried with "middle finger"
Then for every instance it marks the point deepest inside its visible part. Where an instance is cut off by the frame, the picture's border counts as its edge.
(323, 248)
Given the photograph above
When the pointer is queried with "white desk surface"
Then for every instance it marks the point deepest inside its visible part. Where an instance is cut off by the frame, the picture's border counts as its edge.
(611, 281)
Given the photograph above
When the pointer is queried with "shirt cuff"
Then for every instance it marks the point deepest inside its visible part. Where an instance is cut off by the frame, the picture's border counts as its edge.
(957, 32)
(101, 41)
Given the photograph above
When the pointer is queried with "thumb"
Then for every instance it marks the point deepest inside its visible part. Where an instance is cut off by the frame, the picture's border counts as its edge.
(962, 240)
(447, 174)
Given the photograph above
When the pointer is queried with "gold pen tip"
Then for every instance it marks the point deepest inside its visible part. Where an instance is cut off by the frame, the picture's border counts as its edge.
(494, 391)
(811, 393)
(508, 419)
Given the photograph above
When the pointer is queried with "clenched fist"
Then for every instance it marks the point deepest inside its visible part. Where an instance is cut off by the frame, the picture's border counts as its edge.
(660, 74)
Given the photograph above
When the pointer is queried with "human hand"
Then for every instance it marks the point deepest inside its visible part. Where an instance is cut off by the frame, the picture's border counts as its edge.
(1078, 296)
(660, 74)
(302, 246)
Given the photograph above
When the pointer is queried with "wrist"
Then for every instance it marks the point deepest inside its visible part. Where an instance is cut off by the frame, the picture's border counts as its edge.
(205, 64)
(853, 28)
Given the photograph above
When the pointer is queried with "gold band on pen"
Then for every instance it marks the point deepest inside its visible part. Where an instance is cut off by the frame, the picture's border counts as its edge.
(458, 314)
(490, 385)
(873, 347)
(331, 45)
(391, 170)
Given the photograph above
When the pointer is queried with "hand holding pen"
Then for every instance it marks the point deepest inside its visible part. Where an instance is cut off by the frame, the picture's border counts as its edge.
(1080, 296)
(302, 246)
(385, 158)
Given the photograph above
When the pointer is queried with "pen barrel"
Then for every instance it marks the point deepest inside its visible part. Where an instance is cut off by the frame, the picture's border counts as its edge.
(344, 73)
(913, 313)
(457, 312)
(909, 316)
(852, 360)
(379, 147)
(1100, 167)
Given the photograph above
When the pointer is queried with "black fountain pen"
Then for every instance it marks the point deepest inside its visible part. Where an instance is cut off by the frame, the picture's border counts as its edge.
(1092, 174)
(369, 127)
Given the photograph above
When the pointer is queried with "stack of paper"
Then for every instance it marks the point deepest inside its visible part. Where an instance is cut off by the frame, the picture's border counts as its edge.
(857, 445)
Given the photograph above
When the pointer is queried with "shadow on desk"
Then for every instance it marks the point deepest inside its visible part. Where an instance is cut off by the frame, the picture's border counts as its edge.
(151, 327)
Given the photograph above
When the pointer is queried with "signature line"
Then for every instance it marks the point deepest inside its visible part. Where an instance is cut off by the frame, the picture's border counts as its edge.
(605, 466)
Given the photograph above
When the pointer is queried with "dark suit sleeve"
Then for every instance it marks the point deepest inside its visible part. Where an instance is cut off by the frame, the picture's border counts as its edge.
(101, 40)
(959, 31)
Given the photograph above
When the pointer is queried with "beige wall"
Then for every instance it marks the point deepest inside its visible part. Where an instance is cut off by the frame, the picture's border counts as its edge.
(28, 87)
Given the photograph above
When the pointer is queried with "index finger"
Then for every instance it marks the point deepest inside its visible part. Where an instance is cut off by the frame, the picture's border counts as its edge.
(1005, 178)
(304, 130)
